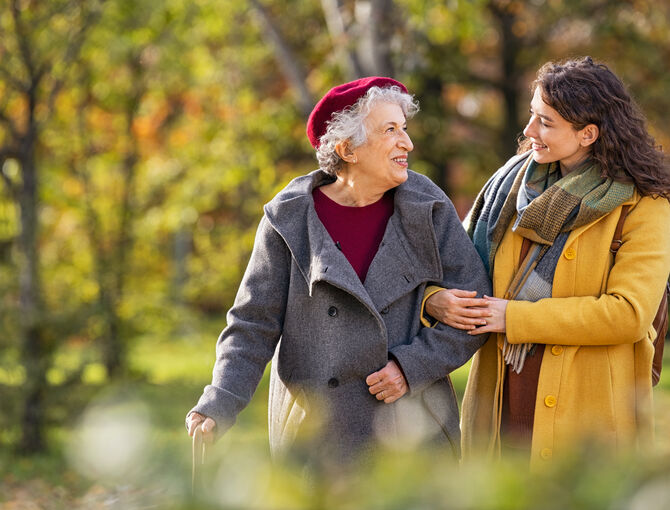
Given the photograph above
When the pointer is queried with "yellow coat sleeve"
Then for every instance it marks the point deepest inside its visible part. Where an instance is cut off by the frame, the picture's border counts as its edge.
(426, 319)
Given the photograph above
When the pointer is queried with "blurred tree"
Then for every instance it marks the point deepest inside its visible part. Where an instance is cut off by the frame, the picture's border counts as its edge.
(132, 82)
(39, 43)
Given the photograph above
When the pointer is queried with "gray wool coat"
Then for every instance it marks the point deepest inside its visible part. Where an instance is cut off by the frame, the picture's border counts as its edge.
(302, 305)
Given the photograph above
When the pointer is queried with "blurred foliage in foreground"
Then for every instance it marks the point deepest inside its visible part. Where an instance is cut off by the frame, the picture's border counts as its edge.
(124, 446)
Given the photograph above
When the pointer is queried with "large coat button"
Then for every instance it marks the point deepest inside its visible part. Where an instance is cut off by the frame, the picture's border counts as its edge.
(550, 401)
(333, 382)
(332, 311)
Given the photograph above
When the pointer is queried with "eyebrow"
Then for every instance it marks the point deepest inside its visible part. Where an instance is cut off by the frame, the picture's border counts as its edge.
(540, 115)
(393, 123)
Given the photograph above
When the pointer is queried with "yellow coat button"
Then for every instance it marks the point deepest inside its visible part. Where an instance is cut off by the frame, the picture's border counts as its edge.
(557, 350)
(570, 253)
(550, 401)
(546, 453)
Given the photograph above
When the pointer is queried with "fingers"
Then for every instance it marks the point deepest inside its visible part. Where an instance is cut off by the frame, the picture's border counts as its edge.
(473, 307)
(467, 319)
(493, 324)
(459, 309)
(481, 330)
(464, 324)
(207, 425)
(373, 378)
(194, 419)
(388, 384)
(459, 298)
(457, 325)
(463, 293)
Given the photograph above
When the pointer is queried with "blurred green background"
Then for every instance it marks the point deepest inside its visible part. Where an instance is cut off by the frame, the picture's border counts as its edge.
(138, 143)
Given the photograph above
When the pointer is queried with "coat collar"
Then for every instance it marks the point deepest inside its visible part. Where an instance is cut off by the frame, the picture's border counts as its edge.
(580, 230)
(408, 254)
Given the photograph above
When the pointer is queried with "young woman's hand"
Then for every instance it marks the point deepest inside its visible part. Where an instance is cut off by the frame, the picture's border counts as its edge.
(460, 309)
(495, 322)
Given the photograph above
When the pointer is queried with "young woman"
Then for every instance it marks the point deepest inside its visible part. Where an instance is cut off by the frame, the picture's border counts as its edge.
(570, 360)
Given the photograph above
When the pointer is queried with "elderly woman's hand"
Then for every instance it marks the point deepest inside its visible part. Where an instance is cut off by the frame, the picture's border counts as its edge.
(208, 425)
(387, 384)
(460, 309)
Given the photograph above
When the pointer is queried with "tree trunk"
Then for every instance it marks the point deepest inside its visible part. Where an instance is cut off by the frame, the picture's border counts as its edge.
(382, 24)
(182, 244)
(286, 58)
(114, 348)
(339, 28)
(34, 352)
(510, 48)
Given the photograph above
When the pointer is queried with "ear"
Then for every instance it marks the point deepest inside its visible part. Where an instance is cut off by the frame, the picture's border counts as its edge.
(588, 134)
(345, 152)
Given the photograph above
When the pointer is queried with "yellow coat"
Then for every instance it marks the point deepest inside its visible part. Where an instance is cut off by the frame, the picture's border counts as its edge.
(595, 380)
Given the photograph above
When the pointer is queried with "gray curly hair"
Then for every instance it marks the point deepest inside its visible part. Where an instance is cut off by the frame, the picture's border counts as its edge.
(349, 124)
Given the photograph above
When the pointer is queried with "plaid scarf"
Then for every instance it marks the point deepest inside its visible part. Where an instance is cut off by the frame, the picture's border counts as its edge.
(547, 207)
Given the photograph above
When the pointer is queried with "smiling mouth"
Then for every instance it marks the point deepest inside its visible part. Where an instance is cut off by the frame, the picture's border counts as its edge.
(538, 146)
(401, 160)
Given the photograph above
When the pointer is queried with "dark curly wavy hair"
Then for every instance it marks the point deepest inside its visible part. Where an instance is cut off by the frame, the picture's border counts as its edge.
(586, 92)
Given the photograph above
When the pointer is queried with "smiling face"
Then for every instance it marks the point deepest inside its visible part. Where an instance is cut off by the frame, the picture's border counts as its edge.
(382, 159)
(554, 138)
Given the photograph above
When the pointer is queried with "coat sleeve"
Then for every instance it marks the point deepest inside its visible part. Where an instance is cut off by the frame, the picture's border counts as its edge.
(254, 326)
(625, 311)
(437, 351)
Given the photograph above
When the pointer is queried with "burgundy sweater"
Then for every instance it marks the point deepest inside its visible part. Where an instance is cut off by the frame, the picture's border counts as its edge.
(356, 231)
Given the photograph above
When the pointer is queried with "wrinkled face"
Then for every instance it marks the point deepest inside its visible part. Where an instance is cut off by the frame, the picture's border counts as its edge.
(553, 137)
(382, 159)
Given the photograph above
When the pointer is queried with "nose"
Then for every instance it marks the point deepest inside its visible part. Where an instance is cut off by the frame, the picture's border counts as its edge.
(405, 142)
(530, 130)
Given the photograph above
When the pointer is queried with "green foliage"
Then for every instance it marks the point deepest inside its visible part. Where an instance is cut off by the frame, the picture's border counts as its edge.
(163, 139)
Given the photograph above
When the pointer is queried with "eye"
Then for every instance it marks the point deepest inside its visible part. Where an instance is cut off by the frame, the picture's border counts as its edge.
(390, 129)
(542, 122)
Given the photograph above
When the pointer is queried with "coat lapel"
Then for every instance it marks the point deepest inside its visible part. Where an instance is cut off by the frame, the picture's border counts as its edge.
(291, 213)
(403, 261)
(406, 257)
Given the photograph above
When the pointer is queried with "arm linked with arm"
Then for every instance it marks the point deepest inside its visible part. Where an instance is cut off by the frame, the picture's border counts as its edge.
(435, 352)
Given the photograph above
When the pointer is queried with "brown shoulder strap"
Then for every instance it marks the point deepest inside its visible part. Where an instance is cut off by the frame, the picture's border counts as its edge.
(660, 323)
(618, 231)
(525, 246)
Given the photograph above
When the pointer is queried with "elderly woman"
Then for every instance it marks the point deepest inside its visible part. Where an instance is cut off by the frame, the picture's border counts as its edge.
(340, 263)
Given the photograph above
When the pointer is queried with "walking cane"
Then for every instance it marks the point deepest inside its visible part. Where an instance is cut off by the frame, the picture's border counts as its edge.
(198, 459)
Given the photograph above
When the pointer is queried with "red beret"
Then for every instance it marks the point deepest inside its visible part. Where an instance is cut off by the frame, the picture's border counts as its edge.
(337, 99)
